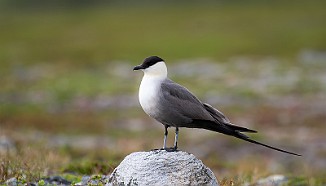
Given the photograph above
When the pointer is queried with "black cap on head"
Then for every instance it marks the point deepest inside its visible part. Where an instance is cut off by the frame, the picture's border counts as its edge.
(151, 61)
(148, 62)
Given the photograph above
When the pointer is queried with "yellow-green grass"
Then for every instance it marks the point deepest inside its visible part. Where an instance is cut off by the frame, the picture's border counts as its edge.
(99, 34)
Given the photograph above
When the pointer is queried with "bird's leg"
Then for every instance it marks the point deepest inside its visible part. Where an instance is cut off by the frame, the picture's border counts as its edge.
(176, 138)
(165, 136)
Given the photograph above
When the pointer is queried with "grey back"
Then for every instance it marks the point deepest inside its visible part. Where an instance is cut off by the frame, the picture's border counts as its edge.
(178, 106)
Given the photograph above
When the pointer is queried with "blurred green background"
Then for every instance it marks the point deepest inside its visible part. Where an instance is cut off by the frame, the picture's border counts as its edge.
(68, 94)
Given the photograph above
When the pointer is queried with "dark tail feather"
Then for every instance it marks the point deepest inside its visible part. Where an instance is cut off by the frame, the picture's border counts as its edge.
(240, 129)
(265, 145)
(231, 130)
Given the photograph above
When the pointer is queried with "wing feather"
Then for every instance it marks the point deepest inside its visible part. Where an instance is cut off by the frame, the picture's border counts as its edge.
(179, 102)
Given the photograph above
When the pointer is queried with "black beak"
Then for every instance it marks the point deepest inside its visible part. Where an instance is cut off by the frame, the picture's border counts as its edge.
(139, 67)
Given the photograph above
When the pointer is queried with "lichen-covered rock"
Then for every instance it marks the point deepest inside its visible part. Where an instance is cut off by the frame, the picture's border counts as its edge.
(160, 167)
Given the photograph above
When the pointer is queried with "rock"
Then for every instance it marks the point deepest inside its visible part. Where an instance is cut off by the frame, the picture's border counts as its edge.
(12, 182)
(273, 180)
(94, 180)
(84, 180)
(160, 167)
(56, 180)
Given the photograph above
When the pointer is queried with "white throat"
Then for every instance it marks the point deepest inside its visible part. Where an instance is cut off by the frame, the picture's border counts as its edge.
(150, 86)
(159, 69)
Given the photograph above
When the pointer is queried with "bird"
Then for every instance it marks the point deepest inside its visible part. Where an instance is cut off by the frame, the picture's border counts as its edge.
(175, 106)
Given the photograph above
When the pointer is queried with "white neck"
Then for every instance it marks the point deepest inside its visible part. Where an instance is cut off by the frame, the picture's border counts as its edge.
(159, 70)
(150, 86)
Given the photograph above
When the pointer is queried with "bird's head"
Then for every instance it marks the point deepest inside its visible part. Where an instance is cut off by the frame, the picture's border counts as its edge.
(153, 66)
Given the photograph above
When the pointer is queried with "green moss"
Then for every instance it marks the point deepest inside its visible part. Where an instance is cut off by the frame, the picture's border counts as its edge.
(41, 183)
(88, 167)
(303, 180)
(73, 178)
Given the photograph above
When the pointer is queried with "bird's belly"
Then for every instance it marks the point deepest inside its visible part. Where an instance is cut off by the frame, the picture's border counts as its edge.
(148, 104)
(148, 98)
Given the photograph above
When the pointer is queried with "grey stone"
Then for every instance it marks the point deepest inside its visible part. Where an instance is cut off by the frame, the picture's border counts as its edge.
(160, 167)
(94, 180)
(56, 180)
(273, 180)
(84, 180)
(12, 182)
